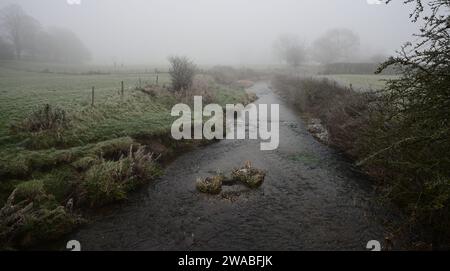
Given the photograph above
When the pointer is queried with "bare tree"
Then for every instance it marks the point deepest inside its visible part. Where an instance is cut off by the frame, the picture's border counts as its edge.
(19, 27)
(65, 46)
(336, 45)
(290, 50)
(182, 72)
(6, 50)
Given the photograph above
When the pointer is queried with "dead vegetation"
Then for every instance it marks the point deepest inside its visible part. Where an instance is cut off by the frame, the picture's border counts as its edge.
(31, 215)
(43, 118)
(57, 174)
(202, 85)
(210, 185)
(109, 181)
(343, 112)
(404, 155)
(247, 175)
(44, 208)
(227, 75)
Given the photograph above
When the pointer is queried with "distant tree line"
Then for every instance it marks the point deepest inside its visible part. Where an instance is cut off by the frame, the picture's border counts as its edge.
(333, 49)
(23, 37)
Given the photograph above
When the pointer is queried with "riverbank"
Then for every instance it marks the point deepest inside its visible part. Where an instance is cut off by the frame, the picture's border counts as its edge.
(357, 124)
(56, 161)
(317, 198)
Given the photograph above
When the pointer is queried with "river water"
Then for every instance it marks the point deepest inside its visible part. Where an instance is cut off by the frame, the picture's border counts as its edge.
(312, 199)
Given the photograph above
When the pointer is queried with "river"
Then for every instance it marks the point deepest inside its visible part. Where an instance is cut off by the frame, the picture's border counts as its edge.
(312, 199)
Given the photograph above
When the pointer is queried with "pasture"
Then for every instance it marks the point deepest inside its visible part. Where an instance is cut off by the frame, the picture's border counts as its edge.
(114, 119)
(361, 82)
(21, 90)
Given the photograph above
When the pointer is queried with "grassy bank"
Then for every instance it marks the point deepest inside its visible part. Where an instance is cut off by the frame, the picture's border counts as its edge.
(360, 82)
(410, 165)
(60, 155)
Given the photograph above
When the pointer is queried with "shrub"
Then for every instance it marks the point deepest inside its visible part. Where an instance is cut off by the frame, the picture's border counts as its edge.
(203, 86)
(413, 133)
(182, 72)
(43, 118)
(400, 142)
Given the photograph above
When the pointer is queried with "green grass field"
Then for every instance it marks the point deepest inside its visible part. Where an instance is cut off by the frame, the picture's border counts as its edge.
(21, 90)
(361, 82)
(24, 87)
(95, 157)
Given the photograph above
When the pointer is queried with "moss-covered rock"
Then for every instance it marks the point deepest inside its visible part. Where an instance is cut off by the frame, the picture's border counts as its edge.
(210, 185)
(249, 176)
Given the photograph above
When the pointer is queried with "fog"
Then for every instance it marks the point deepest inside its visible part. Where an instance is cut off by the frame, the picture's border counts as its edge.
(232, 32)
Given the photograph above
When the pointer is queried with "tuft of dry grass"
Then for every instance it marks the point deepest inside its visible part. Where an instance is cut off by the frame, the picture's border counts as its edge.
(43, 118)
(203, 85)
(248, 175)
(210, 185)
(109, 181)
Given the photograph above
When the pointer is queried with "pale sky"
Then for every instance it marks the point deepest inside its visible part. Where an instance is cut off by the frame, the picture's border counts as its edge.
(234, 32)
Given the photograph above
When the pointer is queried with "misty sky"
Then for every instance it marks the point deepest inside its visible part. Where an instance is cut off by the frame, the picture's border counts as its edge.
(235, 32)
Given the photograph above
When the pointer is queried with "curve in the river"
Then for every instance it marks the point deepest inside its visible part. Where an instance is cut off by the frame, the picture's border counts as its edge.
(311, 200)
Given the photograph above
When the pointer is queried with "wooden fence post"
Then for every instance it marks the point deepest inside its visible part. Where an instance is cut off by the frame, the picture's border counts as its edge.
(122, 89)
(93, 90)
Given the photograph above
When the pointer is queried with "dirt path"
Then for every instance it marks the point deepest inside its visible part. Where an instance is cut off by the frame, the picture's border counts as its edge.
(311, 200)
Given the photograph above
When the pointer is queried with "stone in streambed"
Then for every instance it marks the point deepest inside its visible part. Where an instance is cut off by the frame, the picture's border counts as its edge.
(210, 185)
(249, 176)
(318, 130)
